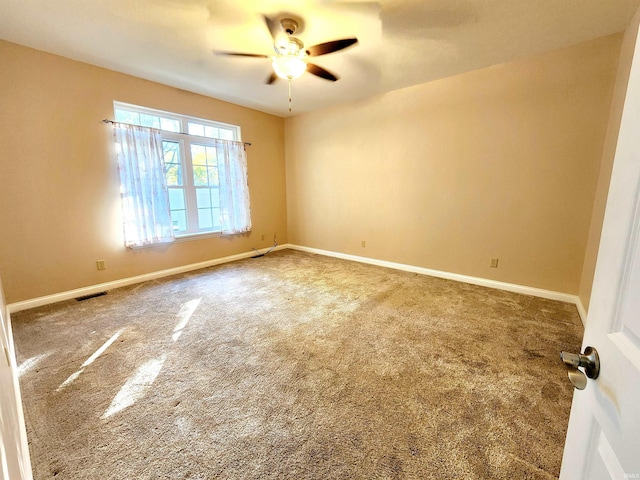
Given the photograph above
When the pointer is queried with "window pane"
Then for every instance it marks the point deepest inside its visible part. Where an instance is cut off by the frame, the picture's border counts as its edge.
(215, 197)
(226, 134)
(196, 129)
(200, 176)
(216, 219)
(125, 116)
(203, 197)
(176, 199)
(212, 158)
(198, 155)
(205, 221)
(149, 121)
(173, 174)
(179, 220)
(211, 132)
(172, 165)
(171, 152)
(169, 124)
(213, 175)
(205, 170)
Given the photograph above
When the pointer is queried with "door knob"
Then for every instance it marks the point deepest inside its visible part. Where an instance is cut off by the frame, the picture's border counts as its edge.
(589, 360)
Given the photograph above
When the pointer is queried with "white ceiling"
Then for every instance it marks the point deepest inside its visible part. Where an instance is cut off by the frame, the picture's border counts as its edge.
(401, 42)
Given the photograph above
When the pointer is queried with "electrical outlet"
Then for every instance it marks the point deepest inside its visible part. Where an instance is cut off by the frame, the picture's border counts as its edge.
(494, 263)
(101, 264)
(262, 237)
(363, 243)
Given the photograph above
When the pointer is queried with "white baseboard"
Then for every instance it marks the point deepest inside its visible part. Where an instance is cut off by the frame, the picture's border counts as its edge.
(101, 287)
(510, 287)
(582, 311)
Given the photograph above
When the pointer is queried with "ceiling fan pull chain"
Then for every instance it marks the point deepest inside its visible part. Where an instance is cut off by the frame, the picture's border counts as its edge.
(289, 93)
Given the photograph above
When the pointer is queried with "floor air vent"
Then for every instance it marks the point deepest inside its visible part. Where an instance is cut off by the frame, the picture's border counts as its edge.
(93, 295)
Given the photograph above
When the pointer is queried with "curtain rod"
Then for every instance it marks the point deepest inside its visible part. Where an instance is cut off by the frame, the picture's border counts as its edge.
(106, 120)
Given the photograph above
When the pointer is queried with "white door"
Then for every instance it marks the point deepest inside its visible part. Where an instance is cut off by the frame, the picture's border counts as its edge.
(14, 452)
(603, 439)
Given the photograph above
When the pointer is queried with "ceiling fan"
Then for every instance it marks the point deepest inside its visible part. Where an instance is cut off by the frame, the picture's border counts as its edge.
(290, 60)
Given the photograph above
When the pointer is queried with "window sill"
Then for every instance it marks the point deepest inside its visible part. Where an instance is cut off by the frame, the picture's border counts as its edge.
(188, 237)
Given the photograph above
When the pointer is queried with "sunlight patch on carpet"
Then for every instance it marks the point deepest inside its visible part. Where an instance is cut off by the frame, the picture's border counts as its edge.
(90, 360)
(185, 313)
(31, 362)
(136, 386)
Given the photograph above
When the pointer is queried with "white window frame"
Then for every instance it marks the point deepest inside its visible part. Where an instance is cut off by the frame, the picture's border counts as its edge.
(185, 141)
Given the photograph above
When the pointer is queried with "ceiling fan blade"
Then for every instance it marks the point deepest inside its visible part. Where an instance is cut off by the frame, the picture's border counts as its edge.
(271, 25)
(272, 78)
(330, 47)
(321, 72)
(237, 54)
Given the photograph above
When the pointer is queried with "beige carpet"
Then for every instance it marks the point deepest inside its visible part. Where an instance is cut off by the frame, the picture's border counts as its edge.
(297, 366)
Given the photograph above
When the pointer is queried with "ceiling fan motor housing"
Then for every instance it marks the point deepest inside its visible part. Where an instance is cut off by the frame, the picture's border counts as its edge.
(289, 25)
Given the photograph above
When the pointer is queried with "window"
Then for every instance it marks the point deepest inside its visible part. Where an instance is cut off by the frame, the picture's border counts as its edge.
(190, 165)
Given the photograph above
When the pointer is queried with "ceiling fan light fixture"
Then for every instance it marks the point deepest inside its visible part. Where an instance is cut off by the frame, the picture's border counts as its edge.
(289, 67)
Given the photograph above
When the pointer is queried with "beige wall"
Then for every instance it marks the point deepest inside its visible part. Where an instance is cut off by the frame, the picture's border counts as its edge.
(59, 200)
(622, 78)
(501, 162)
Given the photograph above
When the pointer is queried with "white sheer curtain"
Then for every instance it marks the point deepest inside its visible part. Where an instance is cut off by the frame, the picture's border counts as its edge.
(143, 189)
(235, 212)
